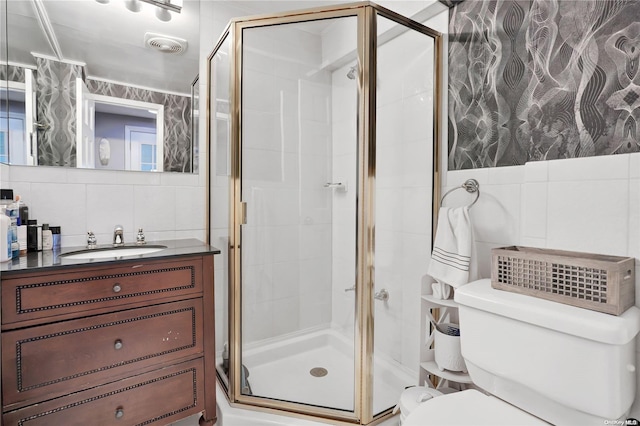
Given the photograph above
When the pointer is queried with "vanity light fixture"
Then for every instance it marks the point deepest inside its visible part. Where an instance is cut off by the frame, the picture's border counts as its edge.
(162, 11)
(163, 14)
(133, 5)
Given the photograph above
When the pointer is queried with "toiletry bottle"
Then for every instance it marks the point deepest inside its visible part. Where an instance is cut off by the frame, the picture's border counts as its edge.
(23, 211)
(23, 218)
(47, 237)
(55, 233)
(12, 212)
(34, 236)
(22, 239)
(39, 234)
(5, 237)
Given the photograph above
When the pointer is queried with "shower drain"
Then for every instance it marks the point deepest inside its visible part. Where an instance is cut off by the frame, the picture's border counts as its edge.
(318, 372)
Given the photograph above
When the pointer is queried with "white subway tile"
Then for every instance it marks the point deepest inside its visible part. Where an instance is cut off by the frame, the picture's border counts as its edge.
(602, 167)
(5, 175)
(23, 189)
(190, 207)
(417, 169)
(506, 175)
(59, 204)
(589, 216)
(286, 315)
(417, 118)
(287, 279)
(388, 123)
(257, 284)
(634, 165)
(108, 206)
(39, 174)
(458, 177)
(198, 234)
(150, 200)
(536, 171)
(179, 179)
(634, 220)
(496, 215)
(534, 212)
(534, 242)
(416, 210)
(483, 253)
(315, 309)
(111, 177)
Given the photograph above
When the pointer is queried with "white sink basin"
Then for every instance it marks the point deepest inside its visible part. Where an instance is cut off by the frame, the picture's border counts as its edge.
(116, 252)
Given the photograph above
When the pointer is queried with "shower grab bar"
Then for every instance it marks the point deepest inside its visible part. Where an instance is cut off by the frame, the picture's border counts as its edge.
(470, 185)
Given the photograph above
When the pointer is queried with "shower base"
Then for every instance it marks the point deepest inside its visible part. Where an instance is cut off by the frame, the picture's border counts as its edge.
(291, 370)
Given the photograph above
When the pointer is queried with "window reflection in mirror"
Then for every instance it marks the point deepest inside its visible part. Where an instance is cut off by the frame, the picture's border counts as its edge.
(119, 134)
(17, 136)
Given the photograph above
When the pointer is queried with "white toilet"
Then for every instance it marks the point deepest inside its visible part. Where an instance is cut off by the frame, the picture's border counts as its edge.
(542, 362)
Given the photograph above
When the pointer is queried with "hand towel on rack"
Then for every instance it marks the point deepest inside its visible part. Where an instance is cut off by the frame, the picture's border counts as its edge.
(452, 260)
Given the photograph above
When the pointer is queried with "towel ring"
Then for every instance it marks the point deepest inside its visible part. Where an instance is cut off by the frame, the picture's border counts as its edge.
(470, 185)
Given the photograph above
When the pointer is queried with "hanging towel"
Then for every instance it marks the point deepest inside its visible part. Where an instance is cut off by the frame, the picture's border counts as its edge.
(452, 260)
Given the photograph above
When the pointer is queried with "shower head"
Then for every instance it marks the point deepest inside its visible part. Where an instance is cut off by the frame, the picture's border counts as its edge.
(351, 75)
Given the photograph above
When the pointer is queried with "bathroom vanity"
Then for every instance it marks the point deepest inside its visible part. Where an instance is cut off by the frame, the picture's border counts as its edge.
(122, 341)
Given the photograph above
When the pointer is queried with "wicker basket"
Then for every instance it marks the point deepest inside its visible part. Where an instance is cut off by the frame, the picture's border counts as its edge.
(592, 281)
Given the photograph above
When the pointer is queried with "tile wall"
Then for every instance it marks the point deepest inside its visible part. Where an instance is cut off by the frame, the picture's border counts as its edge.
(165, 205)
(586, 204)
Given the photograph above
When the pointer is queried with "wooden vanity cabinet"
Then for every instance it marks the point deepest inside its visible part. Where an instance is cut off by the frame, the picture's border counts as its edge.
(126, 343)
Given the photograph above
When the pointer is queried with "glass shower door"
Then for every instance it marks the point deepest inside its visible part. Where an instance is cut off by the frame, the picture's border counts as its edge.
(298, 185)
(403, 204)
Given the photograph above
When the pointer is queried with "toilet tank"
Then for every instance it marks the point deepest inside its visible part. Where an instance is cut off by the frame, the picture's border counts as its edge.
(559, 362)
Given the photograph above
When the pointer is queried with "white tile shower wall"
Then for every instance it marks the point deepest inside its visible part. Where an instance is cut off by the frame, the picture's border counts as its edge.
(165, 205)
(587, 204)
(403, 183)
(286, 162)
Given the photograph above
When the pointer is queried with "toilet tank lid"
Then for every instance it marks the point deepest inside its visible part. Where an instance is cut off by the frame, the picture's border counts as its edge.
(597, 326)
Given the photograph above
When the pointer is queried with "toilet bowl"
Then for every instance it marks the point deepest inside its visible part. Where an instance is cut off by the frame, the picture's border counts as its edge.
(540, 362)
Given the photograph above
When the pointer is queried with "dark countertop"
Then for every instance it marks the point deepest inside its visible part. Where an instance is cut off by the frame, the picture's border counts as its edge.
(51, 260)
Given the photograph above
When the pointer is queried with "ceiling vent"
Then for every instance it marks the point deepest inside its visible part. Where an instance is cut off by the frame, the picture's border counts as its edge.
(165, 44)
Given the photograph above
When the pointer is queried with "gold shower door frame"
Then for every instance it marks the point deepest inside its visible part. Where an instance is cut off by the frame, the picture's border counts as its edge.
(366, 13)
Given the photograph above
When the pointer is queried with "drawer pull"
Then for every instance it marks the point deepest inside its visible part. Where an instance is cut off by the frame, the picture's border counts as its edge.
(116, 288)
(119, 413)
(118, 344)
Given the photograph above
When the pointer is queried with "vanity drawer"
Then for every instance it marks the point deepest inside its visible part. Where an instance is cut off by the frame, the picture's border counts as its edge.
(158, 397)
(37, 298)
(46, 361)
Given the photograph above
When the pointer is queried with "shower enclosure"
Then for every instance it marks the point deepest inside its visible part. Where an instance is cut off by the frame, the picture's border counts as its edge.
(322, 129)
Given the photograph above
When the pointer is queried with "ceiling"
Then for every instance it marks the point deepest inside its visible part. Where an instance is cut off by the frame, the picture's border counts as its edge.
(109, 39)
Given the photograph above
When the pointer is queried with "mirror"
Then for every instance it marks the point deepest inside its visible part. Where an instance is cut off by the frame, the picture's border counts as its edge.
(93, 84)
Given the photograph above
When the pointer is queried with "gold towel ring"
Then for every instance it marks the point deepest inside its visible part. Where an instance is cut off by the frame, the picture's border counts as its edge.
(470, 185)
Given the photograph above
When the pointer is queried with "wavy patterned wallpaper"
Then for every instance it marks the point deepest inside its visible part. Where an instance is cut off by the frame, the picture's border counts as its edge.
(12, 73)
(56, 110)
(541, 80)
(177, 120)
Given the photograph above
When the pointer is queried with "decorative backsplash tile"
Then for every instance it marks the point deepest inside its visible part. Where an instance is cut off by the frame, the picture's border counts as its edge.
(541, 80)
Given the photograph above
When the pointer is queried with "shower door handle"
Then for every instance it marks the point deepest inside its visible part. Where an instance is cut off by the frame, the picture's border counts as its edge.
(243, 213)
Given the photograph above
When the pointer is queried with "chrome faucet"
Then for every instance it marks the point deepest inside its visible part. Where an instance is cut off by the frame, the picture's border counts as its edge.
(118, 236)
